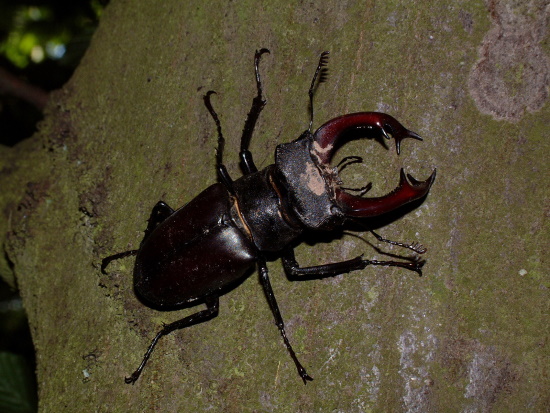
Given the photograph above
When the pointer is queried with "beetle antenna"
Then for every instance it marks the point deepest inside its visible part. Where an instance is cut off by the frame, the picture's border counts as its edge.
(416, 247)
(322, 73)
(362, 191)
(348, 160)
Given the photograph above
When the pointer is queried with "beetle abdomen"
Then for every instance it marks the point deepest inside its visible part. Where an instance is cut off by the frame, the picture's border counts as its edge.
(195, 252)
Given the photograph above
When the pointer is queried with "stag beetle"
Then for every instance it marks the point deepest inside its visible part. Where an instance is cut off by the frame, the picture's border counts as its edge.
(197, 253)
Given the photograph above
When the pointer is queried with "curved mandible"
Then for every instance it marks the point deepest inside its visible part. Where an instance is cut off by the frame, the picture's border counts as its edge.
(328, 138)
(356, 206)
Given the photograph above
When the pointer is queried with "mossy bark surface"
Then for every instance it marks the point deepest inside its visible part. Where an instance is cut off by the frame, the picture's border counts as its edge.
(130, 128)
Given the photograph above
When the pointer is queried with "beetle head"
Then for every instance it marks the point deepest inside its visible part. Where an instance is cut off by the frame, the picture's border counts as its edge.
(314, 188)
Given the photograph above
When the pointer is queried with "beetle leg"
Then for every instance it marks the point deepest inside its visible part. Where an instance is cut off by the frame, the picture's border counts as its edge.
(107, 260)
(258, 103)
(223, 175)
(264, 280)
(160, 212)
(296, 273)
(212, 310)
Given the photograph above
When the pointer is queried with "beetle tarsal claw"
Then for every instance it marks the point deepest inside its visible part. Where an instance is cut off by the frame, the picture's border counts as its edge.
(132, 379)
(307, 378)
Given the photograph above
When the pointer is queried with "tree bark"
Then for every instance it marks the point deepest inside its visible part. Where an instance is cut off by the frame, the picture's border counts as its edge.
(130, 128)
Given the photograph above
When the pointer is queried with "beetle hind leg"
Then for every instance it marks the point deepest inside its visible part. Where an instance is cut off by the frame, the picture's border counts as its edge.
(211, 311)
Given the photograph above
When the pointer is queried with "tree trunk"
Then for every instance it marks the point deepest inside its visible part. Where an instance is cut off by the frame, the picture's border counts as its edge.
(130, 128)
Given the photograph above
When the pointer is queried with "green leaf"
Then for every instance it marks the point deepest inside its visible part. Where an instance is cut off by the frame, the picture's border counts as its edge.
(17, 390)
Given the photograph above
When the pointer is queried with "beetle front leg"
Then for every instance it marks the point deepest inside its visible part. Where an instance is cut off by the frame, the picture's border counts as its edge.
(296, 273)
(264, 280)
(212, 310)
(223, 175)
(258, 103)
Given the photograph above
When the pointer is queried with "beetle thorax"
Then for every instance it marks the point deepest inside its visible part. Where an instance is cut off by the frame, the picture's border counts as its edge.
(260, 210)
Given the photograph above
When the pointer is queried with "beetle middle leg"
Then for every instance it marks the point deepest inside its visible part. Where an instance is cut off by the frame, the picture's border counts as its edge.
(211, 311)
(296, 273)
(264, 280)
(160, 212)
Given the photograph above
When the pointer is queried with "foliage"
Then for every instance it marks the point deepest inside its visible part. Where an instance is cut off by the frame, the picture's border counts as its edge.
(41, 42)
(16, 385)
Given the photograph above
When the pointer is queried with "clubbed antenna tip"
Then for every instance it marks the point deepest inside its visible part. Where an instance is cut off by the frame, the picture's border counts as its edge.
(322, 73)
(323, 70)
